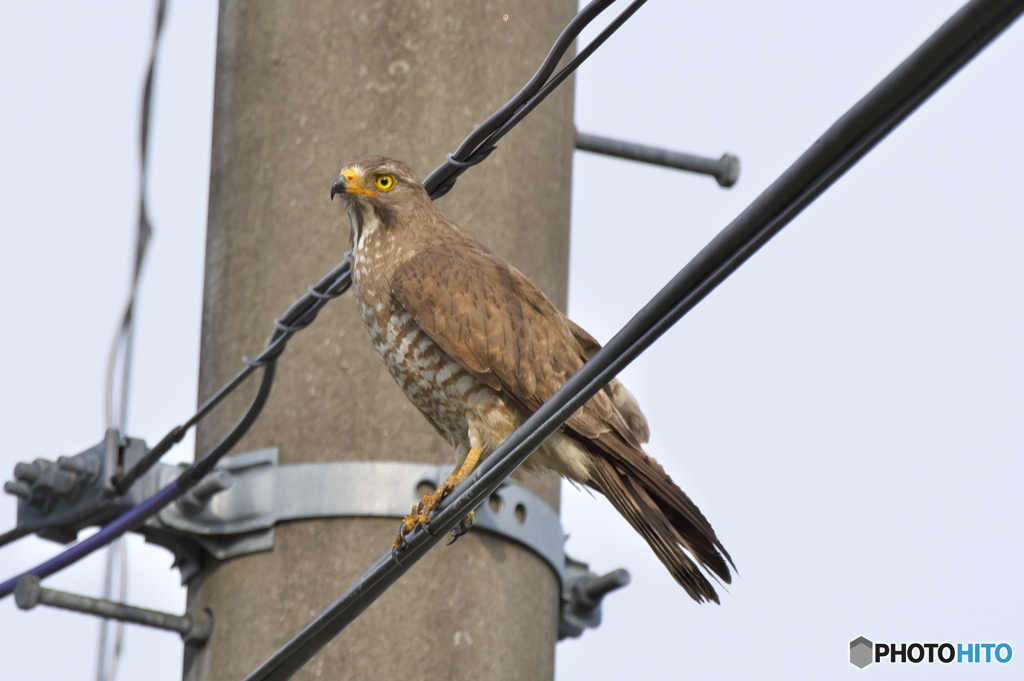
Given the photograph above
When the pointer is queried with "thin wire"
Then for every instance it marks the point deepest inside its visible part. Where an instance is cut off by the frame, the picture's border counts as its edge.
(108, 657)
(122, 597)
(125, 334)
(849, 139)
(102, 657)
(11, 536)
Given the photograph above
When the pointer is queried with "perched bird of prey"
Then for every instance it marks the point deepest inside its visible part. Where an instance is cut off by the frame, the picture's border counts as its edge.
(477, 348)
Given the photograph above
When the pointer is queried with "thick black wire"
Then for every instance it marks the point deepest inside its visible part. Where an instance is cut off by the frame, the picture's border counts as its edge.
(561, 45)
(300, 315)
(550, 86)
(848, 140)
(479, 144)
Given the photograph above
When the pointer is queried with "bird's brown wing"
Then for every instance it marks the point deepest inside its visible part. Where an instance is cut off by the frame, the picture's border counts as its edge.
(623, 400)
(497, 325)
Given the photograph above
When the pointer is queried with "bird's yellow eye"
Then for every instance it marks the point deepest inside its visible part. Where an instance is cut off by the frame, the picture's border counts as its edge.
(385, 183)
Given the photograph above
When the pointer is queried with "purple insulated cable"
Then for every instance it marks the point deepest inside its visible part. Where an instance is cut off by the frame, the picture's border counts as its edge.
(123, 523)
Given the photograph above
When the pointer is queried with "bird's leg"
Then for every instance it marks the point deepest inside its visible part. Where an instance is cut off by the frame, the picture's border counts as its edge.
(421, 513)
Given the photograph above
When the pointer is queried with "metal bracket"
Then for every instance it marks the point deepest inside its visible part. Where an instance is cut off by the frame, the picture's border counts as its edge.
(234, 509)
(57, 500)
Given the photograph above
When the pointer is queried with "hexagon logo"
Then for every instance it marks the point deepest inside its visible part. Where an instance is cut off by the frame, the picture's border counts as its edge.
(861, 652)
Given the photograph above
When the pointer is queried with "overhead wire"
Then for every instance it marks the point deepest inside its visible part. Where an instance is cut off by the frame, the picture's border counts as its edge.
(109, 651)
(13, 535)
(110, 646)
(123, 339)
(479, 144)
(849, 139)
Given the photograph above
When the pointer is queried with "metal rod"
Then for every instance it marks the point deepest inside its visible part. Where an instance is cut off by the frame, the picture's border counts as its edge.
(29, 593)
(726, 170)
(597, 588)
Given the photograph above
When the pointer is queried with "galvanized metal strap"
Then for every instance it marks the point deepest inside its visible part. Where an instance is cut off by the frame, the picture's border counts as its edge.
(260, 493)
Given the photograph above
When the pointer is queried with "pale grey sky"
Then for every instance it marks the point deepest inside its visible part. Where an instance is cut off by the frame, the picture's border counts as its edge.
(846, 409)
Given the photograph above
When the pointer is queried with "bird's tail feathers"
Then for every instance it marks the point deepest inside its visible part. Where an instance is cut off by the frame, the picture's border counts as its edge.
(669, 521)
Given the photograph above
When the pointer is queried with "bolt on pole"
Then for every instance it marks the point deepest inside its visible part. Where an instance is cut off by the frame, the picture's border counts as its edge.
(28, 594)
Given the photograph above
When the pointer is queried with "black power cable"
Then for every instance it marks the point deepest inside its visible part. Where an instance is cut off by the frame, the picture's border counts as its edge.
(483, 140)
(849, 139)
(300, 315)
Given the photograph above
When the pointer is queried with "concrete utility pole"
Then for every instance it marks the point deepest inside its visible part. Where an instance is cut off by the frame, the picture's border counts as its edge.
(300, 88)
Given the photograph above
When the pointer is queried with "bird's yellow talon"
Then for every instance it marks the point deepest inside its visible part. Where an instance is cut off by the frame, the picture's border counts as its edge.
(420, 514)
(408, 524)
(464, 526)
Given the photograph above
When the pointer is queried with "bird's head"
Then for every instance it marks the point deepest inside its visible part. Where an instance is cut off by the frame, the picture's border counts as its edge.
(373, 189)
(377, 181)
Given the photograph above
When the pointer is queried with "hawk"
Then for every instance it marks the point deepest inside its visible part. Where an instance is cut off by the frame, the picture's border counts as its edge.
(477, 348)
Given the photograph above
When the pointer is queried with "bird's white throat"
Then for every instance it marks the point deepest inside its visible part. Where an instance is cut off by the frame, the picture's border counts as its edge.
(364, 223)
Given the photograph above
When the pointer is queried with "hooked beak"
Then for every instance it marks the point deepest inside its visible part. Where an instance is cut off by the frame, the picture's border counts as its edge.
(340, 186)
(344, 184)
